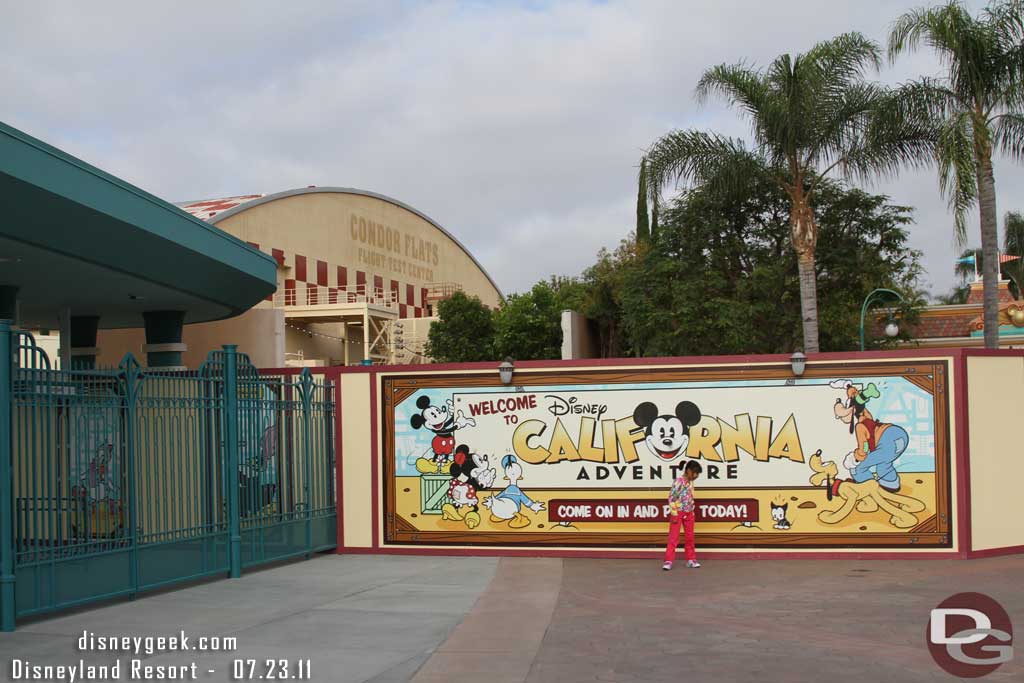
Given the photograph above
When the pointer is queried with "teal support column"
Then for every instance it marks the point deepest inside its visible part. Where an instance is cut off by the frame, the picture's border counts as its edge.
(163, 338)
(7, 607)
(307, 387)
(83, 341)
(231, 457)
(8, 302)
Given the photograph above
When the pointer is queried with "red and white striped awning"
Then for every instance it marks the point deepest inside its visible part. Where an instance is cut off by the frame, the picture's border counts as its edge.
(1004, 258)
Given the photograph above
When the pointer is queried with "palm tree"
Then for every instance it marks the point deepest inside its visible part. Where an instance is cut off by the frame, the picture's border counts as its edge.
(1013, 245)
(976, 106)
(810, 114)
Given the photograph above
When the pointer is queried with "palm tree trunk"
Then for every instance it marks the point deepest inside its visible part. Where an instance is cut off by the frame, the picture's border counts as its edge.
(805, 238)
(989, 248)
(808, 300)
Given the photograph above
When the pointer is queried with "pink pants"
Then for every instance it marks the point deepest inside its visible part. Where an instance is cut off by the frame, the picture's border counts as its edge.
(684, 519)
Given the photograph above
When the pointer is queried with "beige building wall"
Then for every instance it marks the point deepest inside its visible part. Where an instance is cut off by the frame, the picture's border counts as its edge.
(360, 233)
(995, 386)
(356, 457)
(260, 333)
(578, 338)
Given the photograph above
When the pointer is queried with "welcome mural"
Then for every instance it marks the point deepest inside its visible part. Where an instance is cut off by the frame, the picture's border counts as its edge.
(586, 459)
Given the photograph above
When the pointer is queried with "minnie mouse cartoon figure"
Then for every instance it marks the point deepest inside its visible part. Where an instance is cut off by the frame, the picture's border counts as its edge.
(443, 421)
(471, 473)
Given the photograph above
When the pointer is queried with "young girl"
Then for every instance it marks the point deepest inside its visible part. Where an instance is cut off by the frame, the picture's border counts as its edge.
(681, 507)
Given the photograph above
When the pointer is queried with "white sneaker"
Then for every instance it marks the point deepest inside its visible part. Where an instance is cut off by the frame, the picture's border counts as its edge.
(692, 564)
(666, 566)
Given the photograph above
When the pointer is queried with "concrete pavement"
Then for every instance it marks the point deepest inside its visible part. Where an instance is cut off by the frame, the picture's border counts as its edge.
(428, 619)
(356, 618)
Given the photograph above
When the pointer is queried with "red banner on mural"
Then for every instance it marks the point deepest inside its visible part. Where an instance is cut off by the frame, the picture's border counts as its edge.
(638, 510)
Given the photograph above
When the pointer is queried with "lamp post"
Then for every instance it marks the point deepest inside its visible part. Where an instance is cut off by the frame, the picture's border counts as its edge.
(892, 328)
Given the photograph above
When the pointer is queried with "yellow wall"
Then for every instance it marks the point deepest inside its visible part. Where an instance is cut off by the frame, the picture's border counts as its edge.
(334, 227)
(995, 389)
(356, 452)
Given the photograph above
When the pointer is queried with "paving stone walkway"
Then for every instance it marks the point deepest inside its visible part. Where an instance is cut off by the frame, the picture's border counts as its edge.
(388, 619)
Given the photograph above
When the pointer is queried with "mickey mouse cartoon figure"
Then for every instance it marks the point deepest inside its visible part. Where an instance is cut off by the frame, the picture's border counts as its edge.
(667, 435)
(471, 473)
(443, 421)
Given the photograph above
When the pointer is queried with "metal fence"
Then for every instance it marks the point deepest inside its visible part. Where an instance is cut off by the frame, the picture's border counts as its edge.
(127, 479)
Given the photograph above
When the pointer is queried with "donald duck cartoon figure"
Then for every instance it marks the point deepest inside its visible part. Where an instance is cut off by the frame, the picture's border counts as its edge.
(507, 505)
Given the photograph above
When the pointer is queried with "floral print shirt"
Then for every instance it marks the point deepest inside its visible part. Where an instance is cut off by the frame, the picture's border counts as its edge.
(680, 498)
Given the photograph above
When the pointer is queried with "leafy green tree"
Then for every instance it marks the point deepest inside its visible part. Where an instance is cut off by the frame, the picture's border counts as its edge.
(721, 277)
(464, 331)
(529, 325)
(603, 304)
(810, 114)
(977, 108)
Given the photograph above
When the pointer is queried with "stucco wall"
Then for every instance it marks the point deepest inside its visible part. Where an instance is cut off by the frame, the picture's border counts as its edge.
(996, 405)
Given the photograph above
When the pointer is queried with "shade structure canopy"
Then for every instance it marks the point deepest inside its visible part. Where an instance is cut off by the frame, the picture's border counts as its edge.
(74, 238)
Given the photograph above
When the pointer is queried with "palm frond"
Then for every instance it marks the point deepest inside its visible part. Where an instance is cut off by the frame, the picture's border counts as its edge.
(911, 28)
(1013, 234)
(845, 58)
(958, 180)
(698, 158)
(737, 83)
(1013, 245)
(1009, 135)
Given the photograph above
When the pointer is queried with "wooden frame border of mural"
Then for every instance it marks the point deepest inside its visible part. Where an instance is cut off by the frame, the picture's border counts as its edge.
(931, 514)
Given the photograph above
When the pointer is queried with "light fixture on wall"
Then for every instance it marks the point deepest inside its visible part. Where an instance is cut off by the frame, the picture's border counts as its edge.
(892, 328)
(798, 362)
(505, 371)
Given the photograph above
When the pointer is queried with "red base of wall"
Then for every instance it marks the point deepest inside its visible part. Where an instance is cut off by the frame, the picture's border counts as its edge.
(659, 555)
(996, 552)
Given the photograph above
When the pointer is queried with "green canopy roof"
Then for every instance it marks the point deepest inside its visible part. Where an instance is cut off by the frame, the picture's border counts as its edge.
(75, 238)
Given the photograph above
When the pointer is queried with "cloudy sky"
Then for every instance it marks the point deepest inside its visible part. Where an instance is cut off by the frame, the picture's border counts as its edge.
(516, 125)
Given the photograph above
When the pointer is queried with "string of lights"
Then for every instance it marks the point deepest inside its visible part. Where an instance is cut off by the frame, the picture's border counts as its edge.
(311, 333)
(342, 340)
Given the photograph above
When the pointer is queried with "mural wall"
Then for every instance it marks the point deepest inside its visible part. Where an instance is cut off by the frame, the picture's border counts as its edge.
(853, 456)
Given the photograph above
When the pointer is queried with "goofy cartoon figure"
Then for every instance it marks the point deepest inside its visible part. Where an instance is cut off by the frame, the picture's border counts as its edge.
(879, 444)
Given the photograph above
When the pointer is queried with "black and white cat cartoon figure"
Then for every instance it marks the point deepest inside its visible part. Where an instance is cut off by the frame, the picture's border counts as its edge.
(471, 472)
(779, 516)
(667, 435)
(443, 421)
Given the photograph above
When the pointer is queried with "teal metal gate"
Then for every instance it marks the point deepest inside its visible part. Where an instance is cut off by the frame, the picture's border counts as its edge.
(127, 479)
